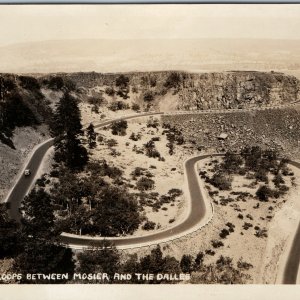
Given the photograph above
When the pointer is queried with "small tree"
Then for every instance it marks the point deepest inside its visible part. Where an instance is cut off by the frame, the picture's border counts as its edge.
(119, 127)
(199, 260)
(135, 107)
(91, 135)
(148, 96)
(263, 193)
(186, 263)
(278, 179)
(38, 219)
(95, 102)
(10, 237)
(144, 184)
(102, 259)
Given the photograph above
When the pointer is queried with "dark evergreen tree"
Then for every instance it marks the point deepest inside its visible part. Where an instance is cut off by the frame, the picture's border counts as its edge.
(38, 214)
(102, 259)
(91, 135)
(186, 263)
(67, 129)
(44, 257)
(119, 127)
(116, 212)
(10, 235)
(155, 263)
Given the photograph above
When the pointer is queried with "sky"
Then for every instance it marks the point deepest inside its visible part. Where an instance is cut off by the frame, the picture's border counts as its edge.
(27, 23)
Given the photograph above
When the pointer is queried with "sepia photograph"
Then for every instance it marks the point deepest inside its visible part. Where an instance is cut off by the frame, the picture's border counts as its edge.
(150, 144)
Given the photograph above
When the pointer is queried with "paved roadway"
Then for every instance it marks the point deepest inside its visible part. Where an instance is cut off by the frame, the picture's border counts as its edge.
(197, 212)
(292, 264)
(23, 184)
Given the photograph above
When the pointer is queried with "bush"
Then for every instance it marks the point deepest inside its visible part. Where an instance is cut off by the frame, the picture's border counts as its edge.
(148, 96)
(137, 172)
(220, 181)
(261, 175)
(217, 244)
(186, 263)
(119, 127)
(224, 232)
(144, 184)
(173, 80)
(111, 143)
(244, 265)
(149, 225)
(153, 122)
(110, 91)
(118, 105)
(246, 225)
(278, 180)
(135, 107)
(263, 193)
(210, 252)
(261, 233)
(231, 226)
(135, 137)
(175, 192)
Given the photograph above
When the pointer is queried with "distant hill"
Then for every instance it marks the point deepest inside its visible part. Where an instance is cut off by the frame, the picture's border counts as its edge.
(203, 55)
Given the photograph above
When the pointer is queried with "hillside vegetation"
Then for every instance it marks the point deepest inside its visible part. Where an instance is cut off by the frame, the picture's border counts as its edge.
(21, 104)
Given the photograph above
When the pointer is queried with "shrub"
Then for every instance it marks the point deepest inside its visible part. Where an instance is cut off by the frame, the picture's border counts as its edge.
(246, 225)
(244, 265)
(231, 226)
(220, 181)
(110, 91)
(261, 175)
(137, 172)
(210, 252)
(119, 127)
(217, 244)
(260, 233)
(224, 232)
(111, 143)
(149, 225)
(135, 107)
(153, 122)
(175, 192)
(144, 184)
(135, 137)
(148, 96)
(263, 193)
(118, 105)
(186, 263)
(278, 180)
(173, 80)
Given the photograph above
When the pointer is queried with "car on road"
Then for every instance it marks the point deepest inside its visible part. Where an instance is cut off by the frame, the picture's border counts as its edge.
(27, 172)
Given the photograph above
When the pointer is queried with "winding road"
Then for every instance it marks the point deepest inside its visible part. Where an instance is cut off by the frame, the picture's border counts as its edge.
(197, 214)
(293, 261)
(200, 210)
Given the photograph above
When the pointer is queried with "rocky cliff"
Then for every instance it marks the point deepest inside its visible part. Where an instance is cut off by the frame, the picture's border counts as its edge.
(190, 91)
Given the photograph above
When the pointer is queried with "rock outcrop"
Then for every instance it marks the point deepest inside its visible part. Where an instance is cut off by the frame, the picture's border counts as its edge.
(225, 90)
